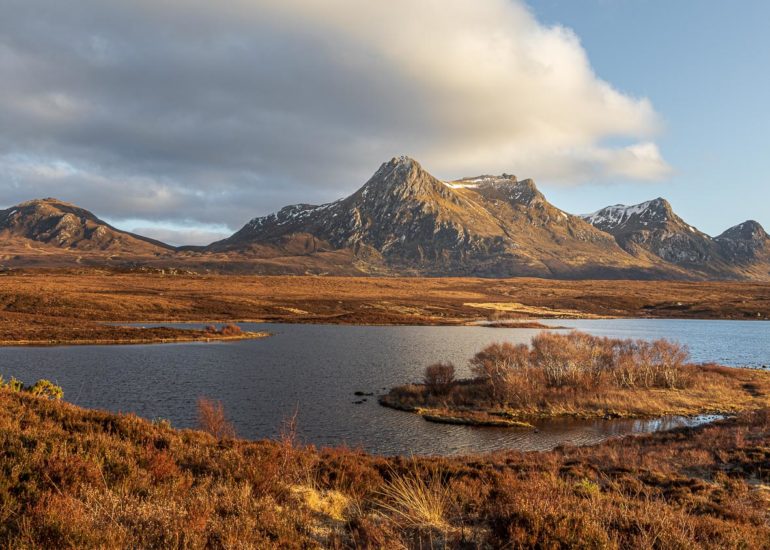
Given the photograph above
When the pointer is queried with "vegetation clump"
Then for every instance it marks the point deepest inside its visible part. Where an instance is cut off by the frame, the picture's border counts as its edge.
(439, 378)
(41, 388)
(229, 329)
(574, 374)
(521, 374)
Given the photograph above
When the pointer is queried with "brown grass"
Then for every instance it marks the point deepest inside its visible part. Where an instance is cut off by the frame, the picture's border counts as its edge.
(40, 307)
(75, 478)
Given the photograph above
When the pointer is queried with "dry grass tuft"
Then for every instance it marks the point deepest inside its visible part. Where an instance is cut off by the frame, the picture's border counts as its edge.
(416, 500)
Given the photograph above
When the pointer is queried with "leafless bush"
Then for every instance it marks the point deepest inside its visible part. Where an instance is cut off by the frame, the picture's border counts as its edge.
(231, 330)
(227, 330)
(498, 363)
(212, 419)
(518, 374)
(439, 378)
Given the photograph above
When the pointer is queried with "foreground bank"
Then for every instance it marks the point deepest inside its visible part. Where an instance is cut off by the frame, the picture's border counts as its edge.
(81, 478)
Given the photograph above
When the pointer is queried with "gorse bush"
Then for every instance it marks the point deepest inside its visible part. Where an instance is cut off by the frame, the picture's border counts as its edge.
(41, 388)
(518, 373)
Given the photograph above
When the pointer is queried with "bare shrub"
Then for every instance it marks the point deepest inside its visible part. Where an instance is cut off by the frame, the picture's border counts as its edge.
(668, 358)
(227, 330)
(212, 419)
(519, 374)
(498, 363)
(438, 378)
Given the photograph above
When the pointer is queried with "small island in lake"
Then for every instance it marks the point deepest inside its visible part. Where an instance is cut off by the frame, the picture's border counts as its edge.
(582, 376)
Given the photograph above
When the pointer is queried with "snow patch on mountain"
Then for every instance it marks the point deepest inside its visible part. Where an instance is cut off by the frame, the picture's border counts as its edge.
(613, 216)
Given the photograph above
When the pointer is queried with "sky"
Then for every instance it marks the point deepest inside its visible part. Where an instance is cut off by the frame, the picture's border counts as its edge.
(183, 119)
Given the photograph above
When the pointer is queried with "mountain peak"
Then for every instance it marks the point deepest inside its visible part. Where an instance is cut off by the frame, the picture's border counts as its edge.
(748, 231)
(402, 176)
(402, 164)
(48, 201)
(745, 242)
(653, 211)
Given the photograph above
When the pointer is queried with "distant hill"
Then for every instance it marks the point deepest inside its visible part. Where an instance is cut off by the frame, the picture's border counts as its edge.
(63, 225)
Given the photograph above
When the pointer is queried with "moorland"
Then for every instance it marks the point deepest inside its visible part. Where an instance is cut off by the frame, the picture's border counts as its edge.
(75, 478)
(70, 306)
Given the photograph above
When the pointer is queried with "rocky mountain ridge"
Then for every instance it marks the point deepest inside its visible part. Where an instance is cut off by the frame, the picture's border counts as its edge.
(653, 227)
(404, 221)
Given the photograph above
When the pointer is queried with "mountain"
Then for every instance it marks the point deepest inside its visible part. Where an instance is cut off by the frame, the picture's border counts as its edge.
(404, 220)
(747, 247)
(653, 227)
(53, 224)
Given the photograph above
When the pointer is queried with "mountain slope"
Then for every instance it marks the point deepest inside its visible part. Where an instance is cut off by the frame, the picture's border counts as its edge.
(405, 220)
(58, 224)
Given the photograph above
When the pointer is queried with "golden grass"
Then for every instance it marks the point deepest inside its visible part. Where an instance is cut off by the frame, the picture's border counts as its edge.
(415, 501)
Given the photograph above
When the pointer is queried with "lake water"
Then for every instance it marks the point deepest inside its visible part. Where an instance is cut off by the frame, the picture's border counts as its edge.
(315, 370)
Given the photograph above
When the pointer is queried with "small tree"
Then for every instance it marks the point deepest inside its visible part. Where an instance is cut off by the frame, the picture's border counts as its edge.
(438, 378)
(498, 363)
(212, 419)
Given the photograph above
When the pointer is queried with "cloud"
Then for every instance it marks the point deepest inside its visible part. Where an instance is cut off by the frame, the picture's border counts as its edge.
(216, 112)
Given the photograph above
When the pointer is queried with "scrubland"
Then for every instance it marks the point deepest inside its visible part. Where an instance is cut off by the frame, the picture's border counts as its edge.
(76, 478)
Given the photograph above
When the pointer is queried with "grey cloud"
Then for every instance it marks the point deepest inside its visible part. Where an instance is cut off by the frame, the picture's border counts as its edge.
(214, 112)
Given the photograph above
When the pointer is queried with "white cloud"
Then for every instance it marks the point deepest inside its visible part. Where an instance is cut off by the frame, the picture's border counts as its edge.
(219, 111)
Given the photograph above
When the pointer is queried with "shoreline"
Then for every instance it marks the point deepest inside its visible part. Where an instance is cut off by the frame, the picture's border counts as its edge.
(491, 418)
(132, 341)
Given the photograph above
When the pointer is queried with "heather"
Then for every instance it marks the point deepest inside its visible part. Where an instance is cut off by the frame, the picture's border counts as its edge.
(76, 478)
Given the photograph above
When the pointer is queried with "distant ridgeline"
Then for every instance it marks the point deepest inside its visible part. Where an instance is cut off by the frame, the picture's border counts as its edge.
(404, 221)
